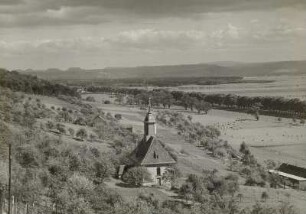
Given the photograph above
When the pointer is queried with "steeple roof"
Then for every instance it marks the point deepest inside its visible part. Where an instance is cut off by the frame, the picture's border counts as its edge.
(151, 152)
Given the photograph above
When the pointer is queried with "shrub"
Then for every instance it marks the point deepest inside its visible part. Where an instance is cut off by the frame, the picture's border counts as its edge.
(90, 99)
(118, 116)
(71, 131)
(302, 121)
(61, 128)
(106, 102)
(82, 133)
(136, 176)
(50, 125)
(264, 196)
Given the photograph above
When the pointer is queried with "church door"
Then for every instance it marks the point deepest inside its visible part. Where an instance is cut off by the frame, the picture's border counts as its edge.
(158, 171)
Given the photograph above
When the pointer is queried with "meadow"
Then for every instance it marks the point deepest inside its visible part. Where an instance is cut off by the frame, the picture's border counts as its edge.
(282, 85)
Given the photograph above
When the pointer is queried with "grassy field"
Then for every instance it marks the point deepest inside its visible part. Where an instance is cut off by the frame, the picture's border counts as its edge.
(285, 86)
(268, 138)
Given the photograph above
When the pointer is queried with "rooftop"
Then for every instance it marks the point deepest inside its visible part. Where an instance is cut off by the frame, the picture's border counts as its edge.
(151, 152)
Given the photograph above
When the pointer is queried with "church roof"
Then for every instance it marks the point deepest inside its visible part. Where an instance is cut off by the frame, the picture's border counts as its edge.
(151, 152)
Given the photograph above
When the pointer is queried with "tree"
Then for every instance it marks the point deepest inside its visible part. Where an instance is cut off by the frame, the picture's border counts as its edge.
(118, 116)
(255, 110)
(244, 149)
(240, 196)
(202, 106)
(82, 133)
(230, 100)
(119, 98)
(172, 174)
(71, 131)
(264, 196)
(185, 101)
(102, 169)
(92, 137)
(61, 128)
(136, 176)
(50, 125)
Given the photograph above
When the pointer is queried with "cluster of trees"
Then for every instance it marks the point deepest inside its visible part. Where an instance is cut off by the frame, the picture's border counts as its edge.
(254, 173)
(160, 97)
(18, 109)
(32, 85)
(254, 105)
(192, 132)
(45, 168)
(200, 188)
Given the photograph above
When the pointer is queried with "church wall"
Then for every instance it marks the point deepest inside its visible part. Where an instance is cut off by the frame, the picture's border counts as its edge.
(153, 173)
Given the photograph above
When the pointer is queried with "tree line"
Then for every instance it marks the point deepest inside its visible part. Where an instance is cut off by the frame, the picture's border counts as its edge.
(279, 106)
(33, 85)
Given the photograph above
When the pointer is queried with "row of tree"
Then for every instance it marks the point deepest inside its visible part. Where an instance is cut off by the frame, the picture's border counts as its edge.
(275, 105)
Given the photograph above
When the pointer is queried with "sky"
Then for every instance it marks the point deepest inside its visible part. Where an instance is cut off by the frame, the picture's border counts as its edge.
(40, 34)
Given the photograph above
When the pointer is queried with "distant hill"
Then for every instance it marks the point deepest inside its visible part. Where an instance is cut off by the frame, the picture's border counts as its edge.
(217, 69)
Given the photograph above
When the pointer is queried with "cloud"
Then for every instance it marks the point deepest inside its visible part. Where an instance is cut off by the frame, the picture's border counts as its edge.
(152, 39)
(155, 40)
(18, 13)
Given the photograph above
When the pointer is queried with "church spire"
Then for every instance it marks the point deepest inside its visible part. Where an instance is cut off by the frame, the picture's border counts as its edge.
(149, 105)
(149, 123)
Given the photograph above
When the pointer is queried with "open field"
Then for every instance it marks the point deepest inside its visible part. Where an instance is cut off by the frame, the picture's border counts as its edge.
(285, 86)
(268, 138)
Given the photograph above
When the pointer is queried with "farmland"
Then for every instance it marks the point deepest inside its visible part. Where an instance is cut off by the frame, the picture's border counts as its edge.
(282, 85)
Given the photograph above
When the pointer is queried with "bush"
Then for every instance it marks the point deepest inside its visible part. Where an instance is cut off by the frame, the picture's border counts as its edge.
(264, 196)
(302, 121)
(106, 102)
(50, 125)
(82, 133)
(71, 131)
(136, 176)
(118, 116)
(61, 128)
(90, 99)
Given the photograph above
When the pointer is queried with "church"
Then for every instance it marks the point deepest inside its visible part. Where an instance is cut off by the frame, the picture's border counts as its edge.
(150, 153)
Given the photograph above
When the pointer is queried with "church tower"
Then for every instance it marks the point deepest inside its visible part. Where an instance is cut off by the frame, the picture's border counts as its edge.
(149, 123)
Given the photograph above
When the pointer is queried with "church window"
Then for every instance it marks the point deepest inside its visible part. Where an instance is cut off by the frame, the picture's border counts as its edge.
(155, 155)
